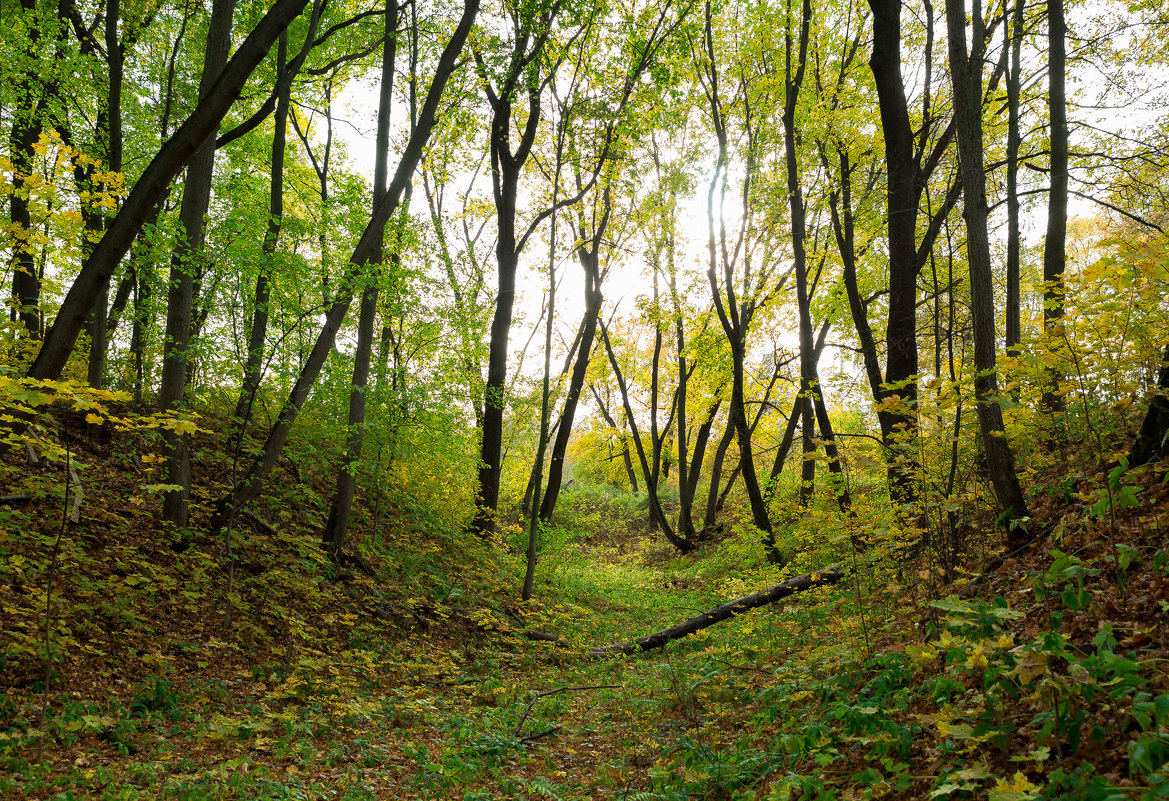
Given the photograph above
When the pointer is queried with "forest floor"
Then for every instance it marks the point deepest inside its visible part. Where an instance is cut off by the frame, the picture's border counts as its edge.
(293, 679)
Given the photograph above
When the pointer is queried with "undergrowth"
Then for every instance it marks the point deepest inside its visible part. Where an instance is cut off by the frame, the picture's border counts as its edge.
(1046, 681)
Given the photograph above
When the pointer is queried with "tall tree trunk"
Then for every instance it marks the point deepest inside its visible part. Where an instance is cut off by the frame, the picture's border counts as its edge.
(967, 78)
(337, 526)
(196, 198)
(683, 545)
(792, 83)
(905, 183)
(26, 129)
(115, 56)
(1055, 242)
(590, 262)
(1014, 41)
(506, 165)
(258, 334)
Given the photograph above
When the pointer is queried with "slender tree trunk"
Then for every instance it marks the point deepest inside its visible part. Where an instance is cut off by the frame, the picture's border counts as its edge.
(26, 129)
(258, 334)
(792, 84)
(196, 198)
(590, 262)
(506, 165)
(967, 78)
(612, 423)
(1055, 242)
(1014, 40)
(685, 546)
(337, 526)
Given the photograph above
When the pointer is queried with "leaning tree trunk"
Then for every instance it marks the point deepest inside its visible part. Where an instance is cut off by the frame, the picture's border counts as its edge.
(152, 185)
(590, 261)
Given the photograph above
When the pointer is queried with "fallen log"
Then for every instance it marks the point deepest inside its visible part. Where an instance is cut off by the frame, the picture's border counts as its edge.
(14, 500)
(770, 595)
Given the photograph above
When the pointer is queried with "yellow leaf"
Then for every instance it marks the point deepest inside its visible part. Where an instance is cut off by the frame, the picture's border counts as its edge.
(93, 419)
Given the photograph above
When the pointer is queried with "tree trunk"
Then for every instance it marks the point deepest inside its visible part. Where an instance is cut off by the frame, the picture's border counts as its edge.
(905, 184)
(337, 526)
(683, 545)
(967, 79)
(782, 590)
(505, 174)
(590, 262)
(26, 130)
(612, 423)
(1014, 40)
(196, 198)
(792, 84)
(1153, 439)
(1055, 242)
(258, 334)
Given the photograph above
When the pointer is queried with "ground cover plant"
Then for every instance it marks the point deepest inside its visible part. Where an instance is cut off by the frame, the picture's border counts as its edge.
(631, 399)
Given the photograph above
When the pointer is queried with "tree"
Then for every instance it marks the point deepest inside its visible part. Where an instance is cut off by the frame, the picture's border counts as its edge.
(966, 71)
(337, 526)
(252, 482)
(152, 185)
(196, 198)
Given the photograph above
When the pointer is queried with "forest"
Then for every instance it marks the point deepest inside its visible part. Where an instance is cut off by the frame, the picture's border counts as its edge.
(582, 399)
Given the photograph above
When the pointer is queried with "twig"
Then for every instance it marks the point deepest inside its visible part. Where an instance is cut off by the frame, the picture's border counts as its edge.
(544, 694)
(78, 494)
(267, 528)
(65, 517)
(544, 733)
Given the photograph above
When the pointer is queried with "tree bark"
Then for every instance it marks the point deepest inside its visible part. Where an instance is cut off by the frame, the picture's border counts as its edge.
(728, 610)
(26, 129)
(792, 85)
(967, 79)
(905, 183)
(590, 262)
(651, 487)
(1014, 41)
(258, 334)
(196, 198)
(1055, 242)
(506, 165)
(337, 525)
(1153, 439)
